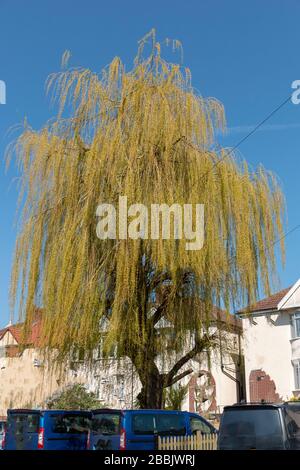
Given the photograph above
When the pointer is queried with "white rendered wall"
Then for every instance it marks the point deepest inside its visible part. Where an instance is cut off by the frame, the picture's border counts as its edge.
(267, 346)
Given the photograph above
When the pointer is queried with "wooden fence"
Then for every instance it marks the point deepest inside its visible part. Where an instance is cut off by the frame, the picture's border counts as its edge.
(195, 442)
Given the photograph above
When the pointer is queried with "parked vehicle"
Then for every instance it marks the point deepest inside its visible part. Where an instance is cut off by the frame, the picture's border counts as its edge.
(2, 433)
(46, 430)
(138, 429)
(260, 426)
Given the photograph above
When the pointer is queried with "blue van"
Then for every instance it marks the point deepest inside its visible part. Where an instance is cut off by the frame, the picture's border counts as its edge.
(138, 429)
(46, 430)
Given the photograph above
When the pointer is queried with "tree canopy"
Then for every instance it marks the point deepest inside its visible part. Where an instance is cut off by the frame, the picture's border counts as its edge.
(148, 135)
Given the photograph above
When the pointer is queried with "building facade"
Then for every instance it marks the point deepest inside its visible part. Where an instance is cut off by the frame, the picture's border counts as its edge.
(272, 346)
(29, 380)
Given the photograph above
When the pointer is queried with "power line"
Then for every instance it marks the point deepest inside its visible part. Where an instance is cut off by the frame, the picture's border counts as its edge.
(261, 123)
(287, 233)
(272, 113)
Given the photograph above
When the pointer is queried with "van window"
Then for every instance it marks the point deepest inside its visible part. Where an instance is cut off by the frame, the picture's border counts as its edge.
(25, 421)
(69, 424)
(143, 423)
(33, 423)
(106, 423)
(170, 424)
(160, 423)
(198, 424)
(19, 422)
(251, 428)
(292, 419)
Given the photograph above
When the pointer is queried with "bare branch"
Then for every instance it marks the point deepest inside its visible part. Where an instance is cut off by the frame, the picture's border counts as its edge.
(158, 313)
(200, 345)
(179, 377)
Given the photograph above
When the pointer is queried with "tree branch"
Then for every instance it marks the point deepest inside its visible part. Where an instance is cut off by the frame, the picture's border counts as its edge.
(200, 345)
(178, 377)
(158, 313)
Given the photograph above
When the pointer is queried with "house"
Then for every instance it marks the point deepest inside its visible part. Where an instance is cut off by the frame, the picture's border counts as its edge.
(272, 346)
(217, 379)
(28, 379)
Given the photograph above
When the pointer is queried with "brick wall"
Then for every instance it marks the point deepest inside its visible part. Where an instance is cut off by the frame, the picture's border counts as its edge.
(12, 350)
(262, 387)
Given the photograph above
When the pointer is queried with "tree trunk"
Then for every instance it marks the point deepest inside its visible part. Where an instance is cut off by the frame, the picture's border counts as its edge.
(151, 395)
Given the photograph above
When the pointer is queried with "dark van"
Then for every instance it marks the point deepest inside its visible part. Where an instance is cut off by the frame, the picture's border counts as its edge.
(260, 426)
(46, 430)
(138, 429)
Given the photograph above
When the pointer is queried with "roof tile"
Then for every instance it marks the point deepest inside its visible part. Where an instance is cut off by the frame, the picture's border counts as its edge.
(269, 303)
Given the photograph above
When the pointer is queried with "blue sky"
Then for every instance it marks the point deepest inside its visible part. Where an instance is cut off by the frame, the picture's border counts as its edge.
(243, 53)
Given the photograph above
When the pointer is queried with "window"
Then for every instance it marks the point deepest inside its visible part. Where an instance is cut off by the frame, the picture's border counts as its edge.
(106, 423)
(19, 423)
(251, 428)
(69, 424)
(160, 423)
(33, 422)
(25, 422)
(143, 423)
(78, 354)
(198, 424)
(297, 373)
(120, 386)
(170, 424)
(292, 419)
(296, 325)
(81, 354)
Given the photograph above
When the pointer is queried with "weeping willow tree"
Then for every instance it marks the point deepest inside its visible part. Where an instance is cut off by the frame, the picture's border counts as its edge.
(147, 135)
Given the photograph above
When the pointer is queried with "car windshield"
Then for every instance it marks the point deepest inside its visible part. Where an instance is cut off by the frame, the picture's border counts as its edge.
(251, 429)
(106, 423)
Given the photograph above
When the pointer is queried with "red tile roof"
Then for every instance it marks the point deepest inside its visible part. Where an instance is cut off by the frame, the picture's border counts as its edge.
(225, 317)
(269, 303)
(17, 330)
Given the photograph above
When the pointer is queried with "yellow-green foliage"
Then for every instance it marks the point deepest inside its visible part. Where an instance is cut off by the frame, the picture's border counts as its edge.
(148, 135)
